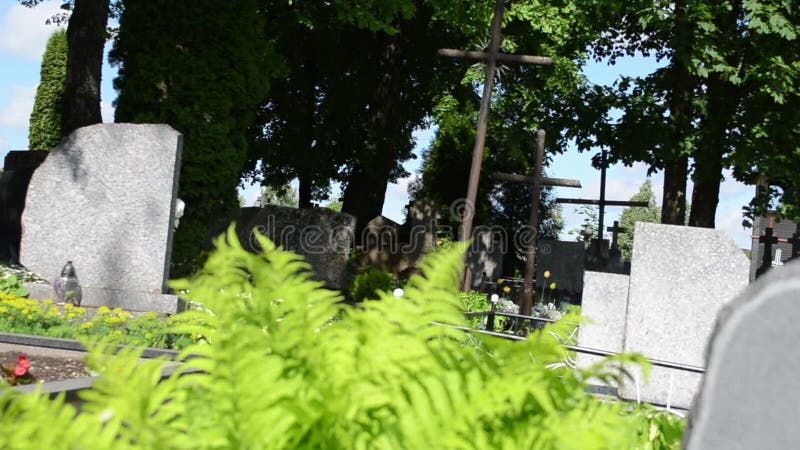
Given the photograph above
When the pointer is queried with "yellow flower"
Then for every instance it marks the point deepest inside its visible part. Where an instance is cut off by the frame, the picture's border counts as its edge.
(29, 316)
(506, 289)
(547, 274)
(552, 286)
(69, 306)
(103, 310)
(500, 281)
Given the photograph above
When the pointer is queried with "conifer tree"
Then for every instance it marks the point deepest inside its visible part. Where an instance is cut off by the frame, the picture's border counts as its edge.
(629, 217)
(45, 121)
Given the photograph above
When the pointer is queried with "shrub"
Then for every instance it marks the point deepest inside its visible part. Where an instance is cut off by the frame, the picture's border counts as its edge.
(277, 373)
(366, 285)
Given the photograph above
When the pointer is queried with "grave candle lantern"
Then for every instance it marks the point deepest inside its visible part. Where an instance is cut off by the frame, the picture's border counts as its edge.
(66, 286)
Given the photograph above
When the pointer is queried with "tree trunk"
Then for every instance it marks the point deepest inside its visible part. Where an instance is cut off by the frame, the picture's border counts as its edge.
(723, 100)
(304, 192)
(673, 210)
(366, 187)
(86, 36)
(708, 156)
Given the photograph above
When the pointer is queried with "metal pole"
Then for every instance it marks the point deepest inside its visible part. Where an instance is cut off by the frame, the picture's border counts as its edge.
(533, 224)
(600, 228)
(480, 134)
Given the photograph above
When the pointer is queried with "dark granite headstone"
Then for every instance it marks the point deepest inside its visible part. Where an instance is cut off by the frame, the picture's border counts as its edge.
(322, 236)
(17, 171)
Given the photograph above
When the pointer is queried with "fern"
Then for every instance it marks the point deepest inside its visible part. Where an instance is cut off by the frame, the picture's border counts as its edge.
(284, 364)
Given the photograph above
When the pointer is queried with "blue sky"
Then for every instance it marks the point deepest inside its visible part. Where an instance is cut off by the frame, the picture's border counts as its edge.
(23, 36)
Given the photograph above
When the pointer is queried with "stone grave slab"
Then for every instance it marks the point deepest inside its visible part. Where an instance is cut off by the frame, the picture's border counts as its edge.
(105, 199)
(605, 299)
(565, 261)
(322, 236)
(751, 391)
(680, 278)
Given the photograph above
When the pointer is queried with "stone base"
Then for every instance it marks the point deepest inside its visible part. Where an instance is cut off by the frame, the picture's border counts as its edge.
(115, 298)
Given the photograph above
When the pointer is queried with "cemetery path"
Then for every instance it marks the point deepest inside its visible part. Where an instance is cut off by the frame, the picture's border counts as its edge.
(48, 368)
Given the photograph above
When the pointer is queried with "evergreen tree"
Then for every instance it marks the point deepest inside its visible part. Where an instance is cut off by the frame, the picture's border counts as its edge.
(45, 122)
(629, 217)
(201, 67)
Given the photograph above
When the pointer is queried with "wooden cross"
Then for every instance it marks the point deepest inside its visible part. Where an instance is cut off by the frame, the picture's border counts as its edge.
(537, 180)
(491, 57)
(602, 202)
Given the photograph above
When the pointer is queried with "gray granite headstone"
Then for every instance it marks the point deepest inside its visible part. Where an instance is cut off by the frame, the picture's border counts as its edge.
(680, 278)
(322, 236)
(605, 299)
(104, 198)
(750, 396)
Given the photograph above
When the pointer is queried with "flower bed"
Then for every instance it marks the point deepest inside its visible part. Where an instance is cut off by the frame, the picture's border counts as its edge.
(20, 315)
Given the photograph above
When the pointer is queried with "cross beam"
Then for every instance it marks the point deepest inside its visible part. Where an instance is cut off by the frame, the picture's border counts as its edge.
(491, 57)
(584, 201)
(502, 57)
(514, 178)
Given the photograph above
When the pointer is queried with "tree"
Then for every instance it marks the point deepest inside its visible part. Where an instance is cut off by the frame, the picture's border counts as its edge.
(631, 215)
(45, 123)
(86, 37)
(201, 67)
(275, 196)
(354, 92)
(704, 112)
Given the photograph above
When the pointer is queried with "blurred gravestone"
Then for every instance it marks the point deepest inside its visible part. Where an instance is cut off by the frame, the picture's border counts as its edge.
(105, 199)
(485, 255)
(750, 395)
(680, 278)
(322, 236)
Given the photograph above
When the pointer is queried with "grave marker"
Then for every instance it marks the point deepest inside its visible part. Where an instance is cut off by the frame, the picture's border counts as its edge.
(680, 278)
(105, 199)
(751, 391)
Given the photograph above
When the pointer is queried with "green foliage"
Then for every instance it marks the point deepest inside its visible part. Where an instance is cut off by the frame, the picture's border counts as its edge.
(367, 285)
(276, 372)
(201, 67)
(10, 284)
(629, 217)
(45, 122)
(283, 196)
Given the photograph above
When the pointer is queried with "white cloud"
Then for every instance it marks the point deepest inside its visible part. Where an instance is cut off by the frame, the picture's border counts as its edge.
(397, 197)
(17, 112)
(107, 112)
(730, 221)
(732, 188)
(23, 32)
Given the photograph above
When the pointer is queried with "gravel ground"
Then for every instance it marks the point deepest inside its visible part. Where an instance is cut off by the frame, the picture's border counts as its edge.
(48, 368)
